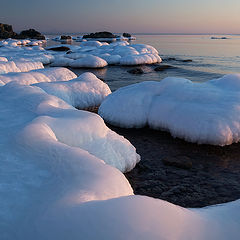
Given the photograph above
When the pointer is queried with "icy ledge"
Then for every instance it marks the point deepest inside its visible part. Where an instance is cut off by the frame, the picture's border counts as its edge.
(206, 112)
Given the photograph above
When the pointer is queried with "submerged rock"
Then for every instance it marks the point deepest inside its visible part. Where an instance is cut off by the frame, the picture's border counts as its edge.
(161, 68)
(136, 71)
(100, 35)
(179, 162)
(170, 59)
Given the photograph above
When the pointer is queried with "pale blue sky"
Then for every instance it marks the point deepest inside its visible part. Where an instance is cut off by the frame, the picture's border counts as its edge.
(145, 16)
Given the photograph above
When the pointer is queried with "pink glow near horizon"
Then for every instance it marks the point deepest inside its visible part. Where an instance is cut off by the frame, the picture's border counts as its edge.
(153, 16)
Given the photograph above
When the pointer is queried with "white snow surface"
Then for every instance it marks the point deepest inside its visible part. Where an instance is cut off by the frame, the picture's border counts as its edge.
(53, 153)
(37, 76)
(24, 50)
(88, 61)
(61, 168)
(54, 183)
(19, 66)
(206, 112)
(83, 92)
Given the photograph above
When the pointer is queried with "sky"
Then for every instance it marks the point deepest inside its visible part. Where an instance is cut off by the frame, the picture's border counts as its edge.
(134, 16)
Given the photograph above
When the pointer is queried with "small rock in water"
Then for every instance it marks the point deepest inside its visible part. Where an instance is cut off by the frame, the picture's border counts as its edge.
(178, 161)
(187, 60)
(127, 35)
(66, 37)
(100, 35)
(170, 59)
(136, 71)
(161, 68)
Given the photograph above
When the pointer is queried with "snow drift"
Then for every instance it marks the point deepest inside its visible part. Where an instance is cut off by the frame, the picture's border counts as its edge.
(197, 112)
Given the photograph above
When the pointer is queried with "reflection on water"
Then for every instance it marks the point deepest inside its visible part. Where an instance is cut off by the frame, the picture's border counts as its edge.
(211, 58)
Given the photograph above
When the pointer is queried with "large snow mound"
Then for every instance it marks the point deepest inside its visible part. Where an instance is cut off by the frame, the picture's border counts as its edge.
(83, 92)
(52, 153)
(206, 112)
(37, 76)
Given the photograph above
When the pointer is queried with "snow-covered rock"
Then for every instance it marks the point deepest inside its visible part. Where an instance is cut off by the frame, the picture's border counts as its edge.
(37, 76)
(61, 62)
(89, 61)
(91, 44)
(140, 59)
(3, 59)
(114, 53)
(19, 66)
(197, 112)
(83, 92)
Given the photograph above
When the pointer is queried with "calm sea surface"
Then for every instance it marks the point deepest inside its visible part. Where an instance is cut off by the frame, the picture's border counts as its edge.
(211, 58)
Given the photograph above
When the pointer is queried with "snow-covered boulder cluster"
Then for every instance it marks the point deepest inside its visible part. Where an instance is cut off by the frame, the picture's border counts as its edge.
(95, 54)
(25, 50)
(206, 112)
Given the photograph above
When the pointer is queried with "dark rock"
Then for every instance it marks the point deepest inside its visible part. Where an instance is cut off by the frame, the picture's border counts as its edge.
(186, 60)
(60, 49)
(136, 71)
(127, 35)
(68, 52)
(178, 161)
(6, 31)
(30, 33)
(63, 37)
(100, 35)
(161, 68)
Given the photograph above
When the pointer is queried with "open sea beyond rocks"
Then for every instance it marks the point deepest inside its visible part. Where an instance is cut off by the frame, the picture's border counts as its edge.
(186, 174)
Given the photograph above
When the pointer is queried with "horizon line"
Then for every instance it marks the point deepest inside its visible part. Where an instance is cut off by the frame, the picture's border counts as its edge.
(75, 33)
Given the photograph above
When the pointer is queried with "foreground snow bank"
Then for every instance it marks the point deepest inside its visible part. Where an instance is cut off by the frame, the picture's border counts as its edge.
(52, 153)
(197, 112)
(140, 218)
(82, 92)
(37, 76)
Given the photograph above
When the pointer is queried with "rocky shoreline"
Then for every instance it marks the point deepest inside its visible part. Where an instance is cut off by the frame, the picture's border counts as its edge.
(6, 31)
(186, 174)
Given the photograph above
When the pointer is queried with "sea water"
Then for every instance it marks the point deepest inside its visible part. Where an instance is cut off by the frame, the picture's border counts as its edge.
(210, 58)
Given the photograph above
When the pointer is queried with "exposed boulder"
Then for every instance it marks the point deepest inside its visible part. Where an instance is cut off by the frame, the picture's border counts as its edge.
(100, 35)
(63, 37)
(127, 35)
(30, 33)
(6, 31)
